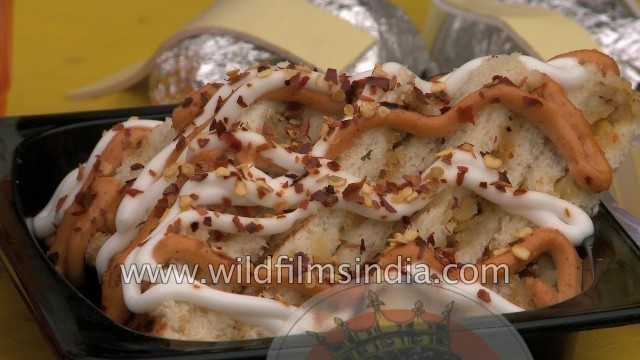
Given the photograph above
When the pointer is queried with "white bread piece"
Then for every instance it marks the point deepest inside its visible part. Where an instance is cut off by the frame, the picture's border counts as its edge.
(181, 320)
(161, 136)
(323, 227)
(95, 243)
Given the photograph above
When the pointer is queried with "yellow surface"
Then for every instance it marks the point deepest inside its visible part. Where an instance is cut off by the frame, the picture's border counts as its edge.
(62, 45)
(307, 37)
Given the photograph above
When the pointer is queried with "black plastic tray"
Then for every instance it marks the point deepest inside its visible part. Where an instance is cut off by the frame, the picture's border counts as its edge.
(36, 152)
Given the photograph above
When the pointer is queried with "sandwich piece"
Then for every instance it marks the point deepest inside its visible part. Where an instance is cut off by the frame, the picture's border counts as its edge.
(499, 162)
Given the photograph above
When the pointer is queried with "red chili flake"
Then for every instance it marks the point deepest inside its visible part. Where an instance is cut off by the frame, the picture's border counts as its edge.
(381, 82)
(267, 130)
(84, 199)
(241, 102)
(302, 82)
(304, 204)
(61, 202)
(319, 195)
(483, 184)
(202, 142)
(181, 144)
(311, 163)
(460, 176)
(132, 192)
(375, 204)
(345, 84)
(304, 127)
(502, 177)
(298, 188)
(484, 295)
(252, 227)
(194, 226)
(345, 123)
(187, 102)
(198, 177)
(152, 173)
(226, 203)
(333, 165)
(444, 109)
(136, 166)
(237, 77)
(331, 76)
(481, 94)
(454, 203)
(447, 158)
(293, 80)
(529, 101)
(465, 114)
(117, 127)
(205, 97)
(304, 148)
(387, 206)
(431, 240)
(419, 95)
(231, 141)
(449, 254)
(391, 187)
(171, 190)
(422, 245)
(365, 98)
(176, 226)
(207, 221)
(519, 192)
(330, 201)
(351, 191)
(414, 180)
(587, 179)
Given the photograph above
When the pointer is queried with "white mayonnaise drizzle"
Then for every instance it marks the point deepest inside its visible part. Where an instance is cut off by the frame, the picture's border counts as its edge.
(542, 209)
(44, 222)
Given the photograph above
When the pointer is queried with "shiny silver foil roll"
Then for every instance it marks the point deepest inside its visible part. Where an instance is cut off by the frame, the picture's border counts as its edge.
(208, 57)
(612, 25)
(463, 38)
(610, 22)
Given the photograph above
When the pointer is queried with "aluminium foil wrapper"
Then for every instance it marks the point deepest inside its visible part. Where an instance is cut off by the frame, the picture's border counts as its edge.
(207, 58)
(611, 23)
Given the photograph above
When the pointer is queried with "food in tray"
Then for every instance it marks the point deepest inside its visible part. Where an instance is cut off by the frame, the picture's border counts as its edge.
(501, 161)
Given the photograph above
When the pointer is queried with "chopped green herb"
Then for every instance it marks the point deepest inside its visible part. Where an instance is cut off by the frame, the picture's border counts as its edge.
(366, 156)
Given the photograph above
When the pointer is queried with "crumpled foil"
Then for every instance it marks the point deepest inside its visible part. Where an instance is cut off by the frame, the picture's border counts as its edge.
(462, 38)
(208, 57)
(612, 25)
(609, 21)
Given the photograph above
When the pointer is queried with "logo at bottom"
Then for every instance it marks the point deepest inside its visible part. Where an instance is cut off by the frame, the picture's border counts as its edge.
(406, 321)
(387, 334)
